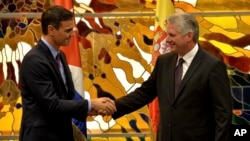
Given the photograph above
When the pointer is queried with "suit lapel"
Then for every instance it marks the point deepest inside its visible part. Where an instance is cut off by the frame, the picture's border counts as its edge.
(191, 70)
(67, 72)
(52, 62)
(49, 57)
(69, 83)
(170, 79)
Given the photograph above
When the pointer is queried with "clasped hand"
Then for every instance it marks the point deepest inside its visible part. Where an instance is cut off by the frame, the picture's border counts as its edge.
(102, 106)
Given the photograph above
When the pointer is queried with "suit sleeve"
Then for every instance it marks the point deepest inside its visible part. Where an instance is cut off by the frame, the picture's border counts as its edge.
(222, 101)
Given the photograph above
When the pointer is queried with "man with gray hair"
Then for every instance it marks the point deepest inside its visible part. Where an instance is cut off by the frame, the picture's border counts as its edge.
(194, 94)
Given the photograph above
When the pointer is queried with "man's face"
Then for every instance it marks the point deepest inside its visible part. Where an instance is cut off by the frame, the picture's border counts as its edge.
(63, 35)
(176, 41)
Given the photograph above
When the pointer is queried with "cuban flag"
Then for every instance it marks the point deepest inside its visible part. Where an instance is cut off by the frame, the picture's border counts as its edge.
(164, 8)
(74, 60)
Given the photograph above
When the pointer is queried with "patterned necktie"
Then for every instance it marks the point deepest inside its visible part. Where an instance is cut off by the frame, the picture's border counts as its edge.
(178, 75)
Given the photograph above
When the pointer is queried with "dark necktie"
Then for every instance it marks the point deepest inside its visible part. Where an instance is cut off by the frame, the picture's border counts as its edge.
(178, 75)
(60, 67)
(58, 60)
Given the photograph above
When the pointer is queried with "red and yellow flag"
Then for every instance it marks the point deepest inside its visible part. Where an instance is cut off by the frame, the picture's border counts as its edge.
(164, 9)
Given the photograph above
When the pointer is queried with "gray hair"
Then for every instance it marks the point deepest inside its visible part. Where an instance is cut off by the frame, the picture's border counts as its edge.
(186, 23)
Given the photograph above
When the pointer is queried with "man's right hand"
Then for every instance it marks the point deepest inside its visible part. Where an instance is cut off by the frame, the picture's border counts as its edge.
(102, 106)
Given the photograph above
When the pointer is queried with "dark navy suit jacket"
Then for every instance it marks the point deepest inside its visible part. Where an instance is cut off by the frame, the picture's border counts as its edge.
(202, 110)
(48, 105)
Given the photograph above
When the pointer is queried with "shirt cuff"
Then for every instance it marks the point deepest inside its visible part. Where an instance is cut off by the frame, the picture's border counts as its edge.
(89, 105)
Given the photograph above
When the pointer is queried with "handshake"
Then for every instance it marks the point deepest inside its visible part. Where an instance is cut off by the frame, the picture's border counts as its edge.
(102, 106)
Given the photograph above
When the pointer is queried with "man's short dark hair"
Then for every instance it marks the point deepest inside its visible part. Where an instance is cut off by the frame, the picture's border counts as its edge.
(54, 16)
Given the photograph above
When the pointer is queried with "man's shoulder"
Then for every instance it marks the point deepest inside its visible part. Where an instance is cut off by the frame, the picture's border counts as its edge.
(167, 55)
(209, 55)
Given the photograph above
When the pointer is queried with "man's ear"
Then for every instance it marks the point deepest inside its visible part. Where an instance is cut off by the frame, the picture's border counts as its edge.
(190, 35)
(51, 30)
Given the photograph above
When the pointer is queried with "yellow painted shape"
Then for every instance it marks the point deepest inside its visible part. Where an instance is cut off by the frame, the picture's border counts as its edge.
(225, 22)
(243, 51)
(232, 35)
(1, 45)
(6, 122)
(227, 49)
(18, 116)
(99, 139)
(117, 139)
(245, 19)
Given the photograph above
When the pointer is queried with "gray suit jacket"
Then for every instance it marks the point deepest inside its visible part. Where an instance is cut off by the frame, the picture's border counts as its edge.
(202, 110)
(47, 104)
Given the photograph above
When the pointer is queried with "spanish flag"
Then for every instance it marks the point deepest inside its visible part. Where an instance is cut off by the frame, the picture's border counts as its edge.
(164, 8)
(72, 53)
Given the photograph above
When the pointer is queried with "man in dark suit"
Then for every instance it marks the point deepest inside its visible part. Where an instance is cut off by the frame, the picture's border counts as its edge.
(200, 109)
(47, 87)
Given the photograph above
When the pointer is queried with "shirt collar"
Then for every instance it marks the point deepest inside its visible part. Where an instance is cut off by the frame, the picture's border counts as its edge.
(53, 51)
(190, 55)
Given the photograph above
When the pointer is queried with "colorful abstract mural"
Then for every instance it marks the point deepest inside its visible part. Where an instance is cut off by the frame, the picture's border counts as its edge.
(116, 54)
